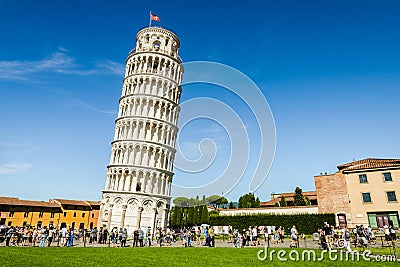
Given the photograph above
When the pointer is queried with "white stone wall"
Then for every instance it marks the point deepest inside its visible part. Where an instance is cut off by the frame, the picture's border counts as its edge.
(276, 211)
(139, 176)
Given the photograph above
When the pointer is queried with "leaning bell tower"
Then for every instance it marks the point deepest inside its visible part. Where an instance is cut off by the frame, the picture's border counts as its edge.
(139, 176)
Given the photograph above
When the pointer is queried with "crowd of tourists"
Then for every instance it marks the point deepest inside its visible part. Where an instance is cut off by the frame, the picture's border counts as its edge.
(141, 237)
(359, 236)
(329, 236)
(41, 236)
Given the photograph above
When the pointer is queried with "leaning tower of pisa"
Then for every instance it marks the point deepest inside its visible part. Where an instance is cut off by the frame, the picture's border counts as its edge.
(139, 176)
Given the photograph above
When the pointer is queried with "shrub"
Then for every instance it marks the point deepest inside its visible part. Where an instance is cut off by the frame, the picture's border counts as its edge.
(305, 223)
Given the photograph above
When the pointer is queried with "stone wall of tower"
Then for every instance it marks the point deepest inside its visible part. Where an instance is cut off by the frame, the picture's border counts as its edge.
(139, 176)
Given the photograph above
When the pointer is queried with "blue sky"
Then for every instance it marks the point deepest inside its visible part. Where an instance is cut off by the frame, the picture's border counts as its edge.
(329, 70)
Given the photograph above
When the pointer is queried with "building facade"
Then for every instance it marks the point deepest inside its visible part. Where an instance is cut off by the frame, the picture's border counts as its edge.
(56, 213)
(363, 192)
(139, 176)
(77, 214)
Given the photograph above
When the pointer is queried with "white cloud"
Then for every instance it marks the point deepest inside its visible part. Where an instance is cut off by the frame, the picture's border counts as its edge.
(85, 105)
(14, 168)
(57, 62)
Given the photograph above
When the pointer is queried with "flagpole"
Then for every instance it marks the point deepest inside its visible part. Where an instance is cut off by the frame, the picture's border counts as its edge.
(150, 20)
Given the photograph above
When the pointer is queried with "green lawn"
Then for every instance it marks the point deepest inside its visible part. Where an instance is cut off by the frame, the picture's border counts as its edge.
(201, 256)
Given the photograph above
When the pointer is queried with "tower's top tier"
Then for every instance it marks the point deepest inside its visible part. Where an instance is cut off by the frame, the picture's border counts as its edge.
(157, 39)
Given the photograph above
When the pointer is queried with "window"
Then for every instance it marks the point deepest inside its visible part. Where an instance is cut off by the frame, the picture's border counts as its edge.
(65, 214)
(366, 197)
(11, 214)
(74, 214)
(83, 215)
(39, 224)
(387, 176)
(363, 178)
(92, 215)
(26, 214)
(41, 214)
(391, 196)
(9, 223)
(52, 215)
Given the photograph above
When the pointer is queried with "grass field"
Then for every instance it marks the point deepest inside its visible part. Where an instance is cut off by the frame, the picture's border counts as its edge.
(53, 256)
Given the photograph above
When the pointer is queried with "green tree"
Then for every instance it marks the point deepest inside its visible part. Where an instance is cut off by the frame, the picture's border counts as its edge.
(276, 204)
(247, 201)
(182, 201)
(283, 202)
(231, 205)
(190, 216)
(257, 204)
(307, 200)
(196, 215)
(240, 204)
(204, 201)
(204, 215)
(299, 197)
(179, 213)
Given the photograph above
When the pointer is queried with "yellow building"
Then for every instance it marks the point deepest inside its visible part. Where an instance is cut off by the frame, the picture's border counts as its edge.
(77, 213)
(364, 192)
(19, 212)
(56, 212)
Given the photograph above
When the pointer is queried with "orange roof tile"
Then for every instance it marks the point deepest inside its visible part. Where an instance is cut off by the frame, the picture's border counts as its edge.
(13, 201)
(71, 202)
(369, 163)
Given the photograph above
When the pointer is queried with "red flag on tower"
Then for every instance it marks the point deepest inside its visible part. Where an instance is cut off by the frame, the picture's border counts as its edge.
(154, 17)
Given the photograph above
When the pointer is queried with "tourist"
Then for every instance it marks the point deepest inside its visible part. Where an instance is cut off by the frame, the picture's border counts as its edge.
(30, 236)
(229, 234)
(362, 236)
(64, 232)
(113, 236)
(235, 238)
(9, 235)
(388, 238)
(346, 236)
(93, 235)
(140, 237)
(51, 235)
(135, 237)
(125, 237)
(294, 235)
(254, 236)
(43, 236)
(211, 234)
(206, 237)
(281, 232)
(148, 236)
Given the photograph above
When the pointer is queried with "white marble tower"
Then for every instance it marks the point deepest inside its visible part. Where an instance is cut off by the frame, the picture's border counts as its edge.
(139, 177)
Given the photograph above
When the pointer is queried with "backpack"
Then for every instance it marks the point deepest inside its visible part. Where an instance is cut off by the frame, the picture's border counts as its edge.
(359, 231)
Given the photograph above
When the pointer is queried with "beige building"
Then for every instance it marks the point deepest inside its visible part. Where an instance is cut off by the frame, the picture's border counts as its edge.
(362, 192)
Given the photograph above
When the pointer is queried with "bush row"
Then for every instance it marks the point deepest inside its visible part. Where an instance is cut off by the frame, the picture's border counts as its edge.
(305, 223)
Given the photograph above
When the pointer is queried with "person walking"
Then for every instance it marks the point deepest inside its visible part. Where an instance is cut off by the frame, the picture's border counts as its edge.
(294, 236)
(211, 234)
(135, 237)
(124, 237)
(43, 236)
(346, 238)
(141, 237)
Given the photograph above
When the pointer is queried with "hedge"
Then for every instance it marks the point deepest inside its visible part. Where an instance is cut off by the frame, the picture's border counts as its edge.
(305, 223)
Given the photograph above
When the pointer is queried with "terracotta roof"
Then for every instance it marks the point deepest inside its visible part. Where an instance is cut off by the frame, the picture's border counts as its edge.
(71, 202)
(93, 203)
(312, 195)
(369, 163)
(308, 193)
(13, 201)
